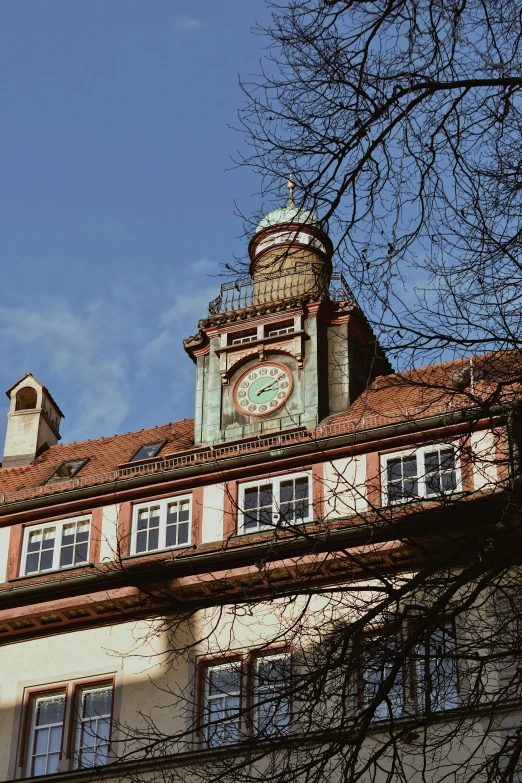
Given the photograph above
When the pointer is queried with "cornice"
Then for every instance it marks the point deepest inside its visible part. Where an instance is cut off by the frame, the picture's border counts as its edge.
(318, 554)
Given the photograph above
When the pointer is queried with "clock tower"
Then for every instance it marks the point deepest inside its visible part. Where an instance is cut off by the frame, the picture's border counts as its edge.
(286, 346)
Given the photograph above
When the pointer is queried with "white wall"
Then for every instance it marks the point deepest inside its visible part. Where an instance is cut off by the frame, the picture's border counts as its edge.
(483, 445)
(344, 487)
(5, 534)
(213, 502)
(109, 541)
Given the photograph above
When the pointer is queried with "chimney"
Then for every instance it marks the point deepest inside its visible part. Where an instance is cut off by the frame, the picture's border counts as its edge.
(33, 422)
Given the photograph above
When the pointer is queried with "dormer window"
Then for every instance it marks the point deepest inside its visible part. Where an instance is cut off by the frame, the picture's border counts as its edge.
(147, 451)
(67, 470)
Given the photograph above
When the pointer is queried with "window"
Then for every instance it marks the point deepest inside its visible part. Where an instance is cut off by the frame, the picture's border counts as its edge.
(51, 747)
(67, 470)
(45, 742)
(163, 524)
(240, 340)
(147, 451)
(436, 671)
(440, 472)
(268, 683)
(271, 700)
(93, 726)
(243, 336)
(26, 399)
(280, 501)
(283, 330)
(379, 654)
(403, 482)
(55, 545)
(428, 472)
(424, 681)
(222, 703)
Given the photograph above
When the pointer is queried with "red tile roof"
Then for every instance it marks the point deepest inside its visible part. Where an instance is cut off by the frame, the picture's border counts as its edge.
(425, 391)
(104, 454)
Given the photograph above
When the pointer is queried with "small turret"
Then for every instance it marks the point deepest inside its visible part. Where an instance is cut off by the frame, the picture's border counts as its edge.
(291, 254)
(33, 422)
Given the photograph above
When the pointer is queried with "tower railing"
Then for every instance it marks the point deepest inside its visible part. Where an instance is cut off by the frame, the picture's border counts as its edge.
(305, 278)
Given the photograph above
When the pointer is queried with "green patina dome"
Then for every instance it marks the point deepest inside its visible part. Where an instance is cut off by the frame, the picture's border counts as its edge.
(289, 214)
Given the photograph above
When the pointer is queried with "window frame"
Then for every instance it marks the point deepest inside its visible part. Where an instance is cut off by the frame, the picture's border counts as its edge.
(58, 524)
(396, 636)
(163, 504)
(419, 453)
(418, 667)
(253, 712)
(72, 691)
(283, 330)
(413, 696)
(27, 754)
(247, 338)
(76, 721)
(159, 445)
(53, 479)
(275, 481)
(204, 723)
(246, 662)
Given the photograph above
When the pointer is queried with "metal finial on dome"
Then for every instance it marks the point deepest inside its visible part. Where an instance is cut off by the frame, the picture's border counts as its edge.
(289, 213)
(290, 185)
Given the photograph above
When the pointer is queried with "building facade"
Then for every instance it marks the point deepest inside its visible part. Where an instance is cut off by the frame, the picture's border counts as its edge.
(155, 585)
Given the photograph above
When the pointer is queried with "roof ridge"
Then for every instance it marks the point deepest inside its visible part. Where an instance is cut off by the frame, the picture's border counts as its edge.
(117, 434)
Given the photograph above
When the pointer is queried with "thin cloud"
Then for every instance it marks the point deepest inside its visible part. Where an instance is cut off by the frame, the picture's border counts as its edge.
(185, 23)
(98, 363)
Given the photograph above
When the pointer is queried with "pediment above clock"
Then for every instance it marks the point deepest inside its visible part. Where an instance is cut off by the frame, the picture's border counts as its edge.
(231, 361)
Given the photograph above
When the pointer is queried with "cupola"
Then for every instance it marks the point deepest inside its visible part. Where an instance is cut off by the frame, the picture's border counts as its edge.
(290, 254)
(33, 422)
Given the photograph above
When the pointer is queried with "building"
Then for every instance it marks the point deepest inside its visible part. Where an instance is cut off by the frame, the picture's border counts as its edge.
(290, 482)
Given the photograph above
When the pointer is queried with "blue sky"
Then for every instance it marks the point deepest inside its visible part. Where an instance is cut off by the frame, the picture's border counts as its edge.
(115, 200)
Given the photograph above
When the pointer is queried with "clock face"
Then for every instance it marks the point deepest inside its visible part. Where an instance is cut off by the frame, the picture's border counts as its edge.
(262, 389)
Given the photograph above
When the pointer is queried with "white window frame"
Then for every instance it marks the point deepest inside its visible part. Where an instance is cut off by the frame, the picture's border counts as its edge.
(58, 524)
(450, 699)
(419, 454)
(395, 704)
(80, 721)
(282, 331)
(237, 666)
(240, 340)
(163, 506)
(407, 694)
(30, 754)
(261, 692)
(276, 482)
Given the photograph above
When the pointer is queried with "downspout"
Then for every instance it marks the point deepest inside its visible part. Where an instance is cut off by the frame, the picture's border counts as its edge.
(514, 460)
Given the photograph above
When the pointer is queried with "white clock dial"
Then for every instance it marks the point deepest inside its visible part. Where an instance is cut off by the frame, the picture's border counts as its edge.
(262, 389)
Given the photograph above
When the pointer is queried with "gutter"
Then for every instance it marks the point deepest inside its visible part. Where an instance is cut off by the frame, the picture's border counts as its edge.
(131, 573)
(261, 457)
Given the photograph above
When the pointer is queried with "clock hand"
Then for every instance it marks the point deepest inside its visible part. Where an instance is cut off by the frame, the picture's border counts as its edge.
(266, 388)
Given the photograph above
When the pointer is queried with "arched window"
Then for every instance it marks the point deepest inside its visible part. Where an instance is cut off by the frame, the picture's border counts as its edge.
(26, 399)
